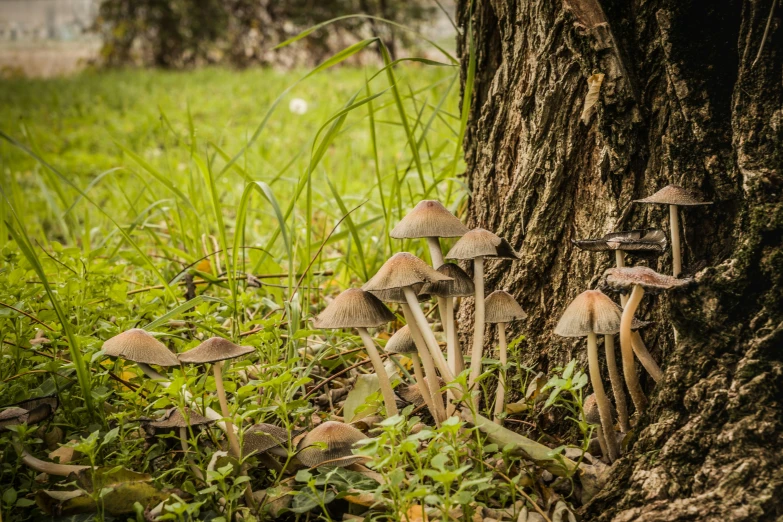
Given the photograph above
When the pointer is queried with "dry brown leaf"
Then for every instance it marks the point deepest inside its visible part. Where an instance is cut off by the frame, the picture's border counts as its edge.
(593, 93)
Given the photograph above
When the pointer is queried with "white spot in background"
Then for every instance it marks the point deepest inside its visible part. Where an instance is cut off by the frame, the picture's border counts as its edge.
(297, 106)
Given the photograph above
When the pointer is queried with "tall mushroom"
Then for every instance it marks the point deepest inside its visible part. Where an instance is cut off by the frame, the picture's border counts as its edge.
(591, 314)
(674, 196)
(476, 245)
(402, 343)
(639, 278)
(355, 308)
(330, 444)
(404, 272)
(502, 308)
(217, 350)
(431, 220)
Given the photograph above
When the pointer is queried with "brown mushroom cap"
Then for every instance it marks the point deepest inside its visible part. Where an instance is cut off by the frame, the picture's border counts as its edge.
(354, 308)
(674, 195)
(429, 219)
(501, 307)
(173, 418)
(397, 295)
(481, 243)
(591, 312)
(139, 346)
(643, 241)
(30, 411)
(401, 270)
(627, 277)
(461, 285)
(401, 342)
(262, 437)
(213, 350)
(330, 444)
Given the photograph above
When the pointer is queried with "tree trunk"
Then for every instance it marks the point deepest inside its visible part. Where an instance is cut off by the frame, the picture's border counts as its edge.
(686, 101)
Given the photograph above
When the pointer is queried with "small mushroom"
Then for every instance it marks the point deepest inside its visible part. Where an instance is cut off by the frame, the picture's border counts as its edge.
(476, 245)
(592, 313)
(358, 309)
(330, 444)
(675, 197)
(174, 419)
(402, 343)
(639, 278)
(502, 308)
(217, 350)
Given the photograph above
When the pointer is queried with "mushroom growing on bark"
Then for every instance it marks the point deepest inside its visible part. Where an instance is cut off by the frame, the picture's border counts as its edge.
(358, 309)
(675, 197)
(476, 245)
(639, 278)
(330, 444)
(216, 350)
(502, 308)
(402, 343)
(591, 314)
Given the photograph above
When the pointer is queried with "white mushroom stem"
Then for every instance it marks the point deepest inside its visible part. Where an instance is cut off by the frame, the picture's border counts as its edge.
(626, 347)
(459, 359)
(429, 338)
(217, 369)
(500, 396)
(183, 439)
(431, 379)
(645, 358)
(619, 256)
(42, 466)
(604, 409)
(436, 254)
(380, 370)
(477, 353)
(421, 382)
(674, 223)
(617, 384)
(451, 342)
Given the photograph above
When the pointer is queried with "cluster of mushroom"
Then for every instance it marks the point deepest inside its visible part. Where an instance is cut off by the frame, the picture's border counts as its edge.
(593, 313)
(407, 280)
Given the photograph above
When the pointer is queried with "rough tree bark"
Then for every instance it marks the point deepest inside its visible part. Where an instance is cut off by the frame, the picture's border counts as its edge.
(684, 100)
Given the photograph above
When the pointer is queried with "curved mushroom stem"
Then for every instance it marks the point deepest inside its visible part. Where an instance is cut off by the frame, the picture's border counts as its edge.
(477, 353)
(421, 382)
(500, 396)
(626, 347)
(42, 466)
(380, 370)
(183, 439)
(617, 384)
(674, 224)
(217, 369)
(599, 432)
(619, 257)
(645, 358)
(604, 409)
(439, 412)
(429, 337)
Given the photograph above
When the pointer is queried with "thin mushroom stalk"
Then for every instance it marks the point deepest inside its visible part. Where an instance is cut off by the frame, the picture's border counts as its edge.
(183, 438)
(233, 442)
(451, 345)
(674, 223)
(645, 358)
(604, 409)
(477, 353)
(500, 396)
(599, 433)
(430, 375)
(380, 370)
(626, 347)
(421, 382)
(617, 384)
(619, 257)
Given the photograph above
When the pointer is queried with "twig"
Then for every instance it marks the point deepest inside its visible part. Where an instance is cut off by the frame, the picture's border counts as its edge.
(766, 32)
(29, 316)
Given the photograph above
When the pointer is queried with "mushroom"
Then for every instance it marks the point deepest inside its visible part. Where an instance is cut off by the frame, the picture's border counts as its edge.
(592, 313)
(476, 245)
(502, 308)
(404, 272)
(459, 286)
(431, 220)
(617, 383)
(674, 196)
(593, 417)
(174, 419)
(358, 309)
(639, 278)
(216, 350)
(402, 343)
(139, 346)
(330, 444)
(263, 437)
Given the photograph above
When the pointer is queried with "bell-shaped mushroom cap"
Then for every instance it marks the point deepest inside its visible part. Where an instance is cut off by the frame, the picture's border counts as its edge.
(213, 350)
(354, 308)
(173, 418)
(401, 342)
(397, 295)
(501, 307)
(429, 219)
(627, 277)
(401, 270)
(330, 444)
(138, 346)
(645, 241)
(591, 312)
(461, 285)
(479, 242)
(262, 437)
(592, 416)
(674, 195)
